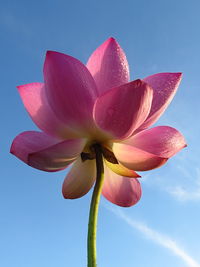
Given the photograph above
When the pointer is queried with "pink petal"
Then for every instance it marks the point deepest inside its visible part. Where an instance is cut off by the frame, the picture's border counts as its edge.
(35, 101)
(164, 86)
(149, 149)
(44, 152)
(71, 91)
(108, 65)
(136, 159)
(80, 179)
(120, 190)
(123, 109)
(163, 141)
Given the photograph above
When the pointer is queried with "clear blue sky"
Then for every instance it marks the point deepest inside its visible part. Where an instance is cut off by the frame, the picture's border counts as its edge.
(38, 228)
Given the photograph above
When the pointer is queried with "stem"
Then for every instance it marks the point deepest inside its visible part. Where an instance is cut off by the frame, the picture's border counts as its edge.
(94, 207)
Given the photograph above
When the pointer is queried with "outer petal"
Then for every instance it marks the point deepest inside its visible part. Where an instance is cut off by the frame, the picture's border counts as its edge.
(108, 65)
(164, 86)
(123, 109)
(71, 90)
(136, 159)
(149, 149)
(80, 179)
(44, 152)
(120, 190)
(35, 101)
(163, 141)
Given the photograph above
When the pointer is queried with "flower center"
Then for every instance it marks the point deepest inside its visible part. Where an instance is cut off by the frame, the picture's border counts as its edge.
(89, 154)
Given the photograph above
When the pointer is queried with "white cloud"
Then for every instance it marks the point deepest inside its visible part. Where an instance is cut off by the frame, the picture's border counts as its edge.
(159, 238)
(180, 178)
(182, 194)
(187, 192)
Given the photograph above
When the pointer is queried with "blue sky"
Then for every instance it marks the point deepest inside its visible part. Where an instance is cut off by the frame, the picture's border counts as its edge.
(37, 226)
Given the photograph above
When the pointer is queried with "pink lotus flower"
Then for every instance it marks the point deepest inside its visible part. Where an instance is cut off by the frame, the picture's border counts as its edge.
(78, 106)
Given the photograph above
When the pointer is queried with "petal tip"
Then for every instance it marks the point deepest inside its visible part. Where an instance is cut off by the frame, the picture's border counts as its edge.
(179, 75)
(140, 82)
(138, 176)
(63, 193)
(11, 150)
(145, 85)
(50, 54)
(111, 41)
(20, 87)
(68, 196)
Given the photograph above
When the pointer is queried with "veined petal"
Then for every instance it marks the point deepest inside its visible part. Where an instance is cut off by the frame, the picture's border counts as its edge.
(108, 66)
(121, 170)
(44, 152)
(71, 91)
(121, 110)
(35, 101)
(119, 190)
(80, 179)
(149, 149)
(164, 87)
(163, 141)
(136, 159)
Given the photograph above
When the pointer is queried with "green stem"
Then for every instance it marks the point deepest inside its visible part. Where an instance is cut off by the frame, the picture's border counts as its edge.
(94, 207)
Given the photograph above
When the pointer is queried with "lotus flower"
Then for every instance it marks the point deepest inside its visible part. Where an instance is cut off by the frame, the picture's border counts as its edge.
(78, 106)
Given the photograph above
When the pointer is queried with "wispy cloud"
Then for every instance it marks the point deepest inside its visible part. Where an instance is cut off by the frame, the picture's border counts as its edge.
(159, 238)
(184, 193)
(180, 178)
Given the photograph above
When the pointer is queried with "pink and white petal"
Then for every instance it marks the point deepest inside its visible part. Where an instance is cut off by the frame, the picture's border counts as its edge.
(58, 156)
(119, 190)
(80, 179)
(29, 142)
(108, 66)
(71, 91)
(35, 101)
(121, 110)
(163, 141)
(136, 159)
(121, 170)
(164, 86)
(44, 152)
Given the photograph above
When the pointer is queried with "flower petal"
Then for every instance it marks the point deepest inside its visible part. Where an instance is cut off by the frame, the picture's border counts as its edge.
(44, 152)
(119, 190)
(35, 101)
(149, 149)
(136, 159)
(71, 91)
(123, 109)
(121, 170)
(108, 65)
(80, 179)
(163, 141)
(164, 86)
